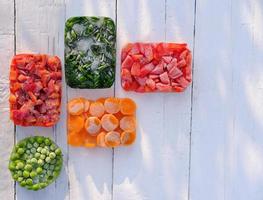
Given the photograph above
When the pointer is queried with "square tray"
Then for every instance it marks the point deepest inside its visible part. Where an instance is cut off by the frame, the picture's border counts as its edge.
(90, 52)
(35, 89)
(156, 67)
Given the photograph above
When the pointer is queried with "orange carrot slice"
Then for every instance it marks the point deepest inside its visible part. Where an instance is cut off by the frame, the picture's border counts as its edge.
(109, 122)
(93, 125)
(128, 123)
(76, 106)
(112, 139)
(96, 109)
(86, 105)
(128, 106)
(89, 140)
(75, 139)
(101, 139)
(102, 99)
(75, 123)
(112, 105)
(128, 138)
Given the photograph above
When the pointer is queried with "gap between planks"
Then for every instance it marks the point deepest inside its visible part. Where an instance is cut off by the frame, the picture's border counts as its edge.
(14, 54)
(191, 115)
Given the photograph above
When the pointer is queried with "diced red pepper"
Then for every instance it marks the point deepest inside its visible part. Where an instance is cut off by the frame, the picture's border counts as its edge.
(164, 67)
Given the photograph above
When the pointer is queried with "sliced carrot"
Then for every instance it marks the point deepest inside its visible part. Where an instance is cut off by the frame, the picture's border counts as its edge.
(128, 123)
(109, 122)
(119, 115)
(101, 139)
(102, 99)
(112, 105)
(75, 139)
(76, 106)
(128, 138)
(86, 105)
(89, 141)
(96, 109)
(93, 125)
(75, 123)
(128, 106)
(112, 139)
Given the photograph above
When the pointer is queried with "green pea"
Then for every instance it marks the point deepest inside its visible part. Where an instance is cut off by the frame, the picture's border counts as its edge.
(40, 140)
(58, 152)
(26, 174)
(43, 151)
(37, 155)
(47, 141)
(39, 170)
(33, 174)
(29, 146)
(22, 144)
(23, 183)
(33, 150)
(52, 155)
(43, 156)
(48, 159)
(20, 151)
(42, 145)
(20, 179)
(57, 168)
(53, 161)
(12, 166)
(49, 172)
(19, 173)
(40, 162)
(29, 181)
(32, 140)
(53, 147)
(36, 145)
(59, 161)
(29, 161)
(46, 166)
(28, 167)
(39, 149)
(20, 165)
(36, 187)
(34, 160)
(14, 156)
(28, 152)
(42, 185)
(52, 167)
(55, 174)
(15, 176)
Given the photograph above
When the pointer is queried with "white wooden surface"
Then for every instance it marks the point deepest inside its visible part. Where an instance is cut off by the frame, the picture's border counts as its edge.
(203, 144)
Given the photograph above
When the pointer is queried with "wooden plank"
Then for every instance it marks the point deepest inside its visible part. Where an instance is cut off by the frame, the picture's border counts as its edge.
(90, 170)
(156, 167)
(6, 17)
(243, 179)
(40, 30)
(6, 126)
(138, 169)
(212, 119)
(177, 107)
